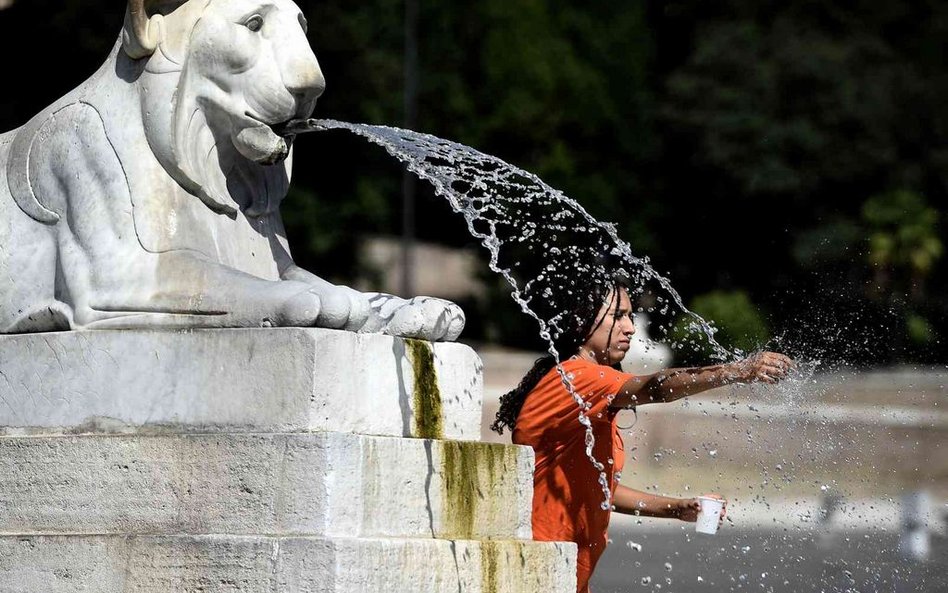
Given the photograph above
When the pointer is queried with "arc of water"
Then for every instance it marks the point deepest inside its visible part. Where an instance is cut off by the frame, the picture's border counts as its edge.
(447, 164)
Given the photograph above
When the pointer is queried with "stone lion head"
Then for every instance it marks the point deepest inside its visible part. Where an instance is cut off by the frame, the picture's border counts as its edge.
(219, 77)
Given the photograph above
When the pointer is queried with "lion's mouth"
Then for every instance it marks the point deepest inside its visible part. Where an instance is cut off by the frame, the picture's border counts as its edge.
(269, 143)
(260, 143)
(293, 127)
(288, 127)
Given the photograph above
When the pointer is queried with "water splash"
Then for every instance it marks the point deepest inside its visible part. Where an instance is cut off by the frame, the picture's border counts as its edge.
(543, 243)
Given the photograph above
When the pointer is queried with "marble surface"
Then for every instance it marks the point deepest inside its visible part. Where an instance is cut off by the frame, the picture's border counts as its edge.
(246, 380)
(149, 195)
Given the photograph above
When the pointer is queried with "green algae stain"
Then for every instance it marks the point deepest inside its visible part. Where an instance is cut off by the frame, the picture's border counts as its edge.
(428, 414)
(473, 495)
(459, 488)
(490, 552)
(510, 566)
(470, 474)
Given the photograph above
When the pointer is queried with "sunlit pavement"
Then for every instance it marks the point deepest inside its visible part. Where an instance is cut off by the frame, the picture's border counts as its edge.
(676, 559)
(816, 471)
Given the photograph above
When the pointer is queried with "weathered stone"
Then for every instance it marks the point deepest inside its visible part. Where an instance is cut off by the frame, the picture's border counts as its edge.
(179, 456)
(261, 380)
(212, 564)
(315, 484)
(148, 196)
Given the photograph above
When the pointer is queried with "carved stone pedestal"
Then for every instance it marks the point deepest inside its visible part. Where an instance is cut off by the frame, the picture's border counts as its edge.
(270, 461)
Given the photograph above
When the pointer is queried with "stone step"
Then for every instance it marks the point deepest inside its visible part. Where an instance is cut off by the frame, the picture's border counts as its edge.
(236, 380)
(256, 564)
(331, 484)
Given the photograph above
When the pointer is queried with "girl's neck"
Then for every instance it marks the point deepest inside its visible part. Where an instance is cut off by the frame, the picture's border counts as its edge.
(587, 355)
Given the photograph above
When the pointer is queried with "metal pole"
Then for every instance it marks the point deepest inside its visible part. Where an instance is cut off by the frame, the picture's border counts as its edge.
(410, 104)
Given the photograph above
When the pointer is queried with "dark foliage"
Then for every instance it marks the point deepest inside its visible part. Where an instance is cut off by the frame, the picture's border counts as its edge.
(752, 147)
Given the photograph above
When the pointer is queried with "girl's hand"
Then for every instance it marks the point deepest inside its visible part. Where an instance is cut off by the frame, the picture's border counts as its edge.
(689, 508)
(763, 367)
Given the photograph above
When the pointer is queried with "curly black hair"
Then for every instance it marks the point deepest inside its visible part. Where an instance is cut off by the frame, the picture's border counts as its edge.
(570, 330)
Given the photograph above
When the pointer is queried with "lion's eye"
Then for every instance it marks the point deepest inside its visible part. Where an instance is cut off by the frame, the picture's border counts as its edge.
(254, 23)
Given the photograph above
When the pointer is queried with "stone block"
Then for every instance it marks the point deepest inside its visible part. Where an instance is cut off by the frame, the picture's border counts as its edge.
(314, 484)
(218, 564)
(237, 380)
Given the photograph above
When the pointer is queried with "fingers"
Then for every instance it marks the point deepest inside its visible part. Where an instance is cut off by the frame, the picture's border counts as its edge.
(779, 360)
(688, 509)
(773, 372)
(770, 367)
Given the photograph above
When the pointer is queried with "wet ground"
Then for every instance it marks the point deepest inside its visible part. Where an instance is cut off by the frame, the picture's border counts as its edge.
(672, 560)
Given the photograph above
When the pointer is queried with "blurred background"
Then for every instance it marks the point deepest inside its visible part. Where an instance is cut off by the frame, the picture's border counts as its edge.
(783, 163)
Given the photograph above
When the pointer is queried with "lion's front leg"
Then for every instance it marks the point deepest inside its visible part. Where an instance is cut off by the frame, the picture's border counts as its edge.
(426, 318)
(178, 289)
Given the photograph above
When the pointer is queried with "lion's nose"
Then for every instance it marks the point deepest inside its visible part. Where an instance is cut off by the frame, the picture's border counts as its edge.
(304, 78)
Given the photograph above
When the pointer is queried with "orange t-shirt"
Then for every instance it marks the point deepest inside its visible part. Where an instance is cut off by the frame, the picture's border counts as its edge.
(567, 496)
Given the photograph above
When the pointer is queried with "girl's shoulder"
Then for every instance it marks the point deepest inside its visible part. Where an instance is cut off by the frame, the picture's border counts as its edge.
(584, 375)
(550, 408)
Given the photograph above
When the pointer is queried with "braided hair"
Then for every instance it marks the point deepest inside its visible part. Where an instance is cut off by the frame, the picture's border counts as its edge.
(580, 322)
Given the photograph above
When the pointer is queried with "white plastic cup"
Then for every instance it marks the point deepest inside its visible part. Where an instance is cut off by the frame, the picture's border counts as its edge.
(710, 514)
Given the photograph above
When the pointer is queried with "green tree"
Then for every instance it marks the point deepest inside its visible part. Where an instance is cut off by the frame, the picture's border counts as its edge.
(738, 325)
(903, 238)
(734, 142)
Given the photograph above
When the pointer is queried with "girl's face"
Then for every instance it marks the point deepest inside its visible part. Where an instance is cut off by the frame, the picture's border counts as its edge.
(612, 330)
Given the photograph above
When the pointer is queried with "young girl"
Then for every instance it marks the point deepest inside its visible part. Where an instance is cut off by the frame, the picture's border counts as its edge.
(567, 495)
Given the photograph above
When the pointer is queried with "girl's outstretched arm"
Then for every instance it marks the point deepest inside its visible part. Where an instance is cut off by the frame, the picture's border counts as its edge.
(635, 502)
(672, 384)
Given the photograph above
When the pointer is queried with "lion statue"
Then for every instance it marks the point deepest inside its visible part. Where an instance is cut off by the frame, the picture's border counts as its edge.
(149, 196)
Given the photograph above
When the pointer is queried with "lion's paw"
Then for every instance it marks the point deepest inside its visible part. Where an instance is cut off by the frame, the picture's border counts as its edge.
(343, 308)
(425, 318)
(300, 310)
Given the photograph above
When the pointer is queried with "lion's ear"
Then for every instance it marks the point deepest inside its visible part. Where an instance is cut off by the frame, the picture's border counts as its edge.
(140, 35)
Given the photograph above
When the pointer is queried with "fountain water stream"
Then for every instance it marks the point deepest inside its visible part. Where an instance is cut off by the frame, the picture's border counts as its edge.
(542, 242)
